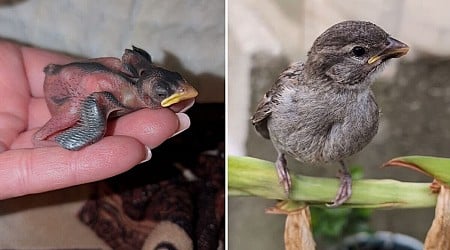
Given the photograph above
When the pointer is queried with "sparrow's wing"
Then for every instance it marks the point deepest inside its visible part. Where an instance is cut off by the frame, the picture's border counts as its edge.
(291, 76)
(263, 111)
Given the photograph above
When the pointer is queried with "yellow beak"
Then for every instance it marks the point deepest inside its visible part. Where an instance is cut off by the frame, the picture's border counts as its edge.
(184, 93)
(394, 49)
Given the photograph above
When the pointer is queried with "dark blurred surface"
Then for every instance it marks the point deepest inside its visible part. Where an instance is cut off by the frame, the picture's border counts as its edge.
(183, 185)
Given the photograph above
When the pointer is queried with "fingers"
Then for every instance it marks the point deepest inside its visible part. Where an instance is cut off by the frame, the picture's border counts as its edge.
(19, 67)
(184, 123)
(150, 127)
(25, 171)
(38, 113)
(34, 61)
(29, 171)
(14, 93)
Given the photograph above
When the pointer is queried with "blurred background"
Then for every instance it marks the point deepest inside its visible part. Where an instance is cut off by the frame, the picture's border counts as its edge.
(413, 93)
(182, 35)
(187, 36)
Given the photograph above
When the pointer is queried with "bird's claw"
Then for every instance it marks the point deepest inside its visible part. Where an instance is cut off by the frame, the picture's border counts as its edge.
(283, 173)
(344, 191)
(285, 179)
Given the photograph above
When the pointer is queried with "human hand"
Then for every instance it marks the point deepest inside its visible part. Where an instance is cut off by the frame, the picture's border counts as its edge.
(25, 169)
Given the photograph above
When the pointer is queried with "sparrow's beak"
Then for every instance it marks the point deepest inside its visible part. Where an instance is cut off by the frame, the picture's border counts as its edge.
(185, 92)
(394, 49)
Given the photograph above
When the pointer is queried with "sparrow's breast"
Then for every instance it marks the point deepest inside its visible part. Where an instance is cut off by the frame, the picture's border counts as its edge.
(318, 128)
(357, 128)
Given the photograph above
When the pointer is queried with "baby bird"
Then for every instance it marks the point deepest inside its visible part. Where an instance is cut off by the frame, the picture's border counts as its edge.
(81, 96)
(323, 110)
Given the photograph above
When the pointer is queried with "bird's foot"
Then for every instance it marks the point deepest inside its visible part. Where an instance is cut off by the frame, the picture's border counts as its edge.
(283, 173)
(345, 188)
(285, 179)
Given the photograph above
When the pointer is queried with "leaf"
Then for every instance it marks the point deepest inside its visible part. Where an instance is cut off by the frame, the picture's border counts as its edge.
(440, 228)
(436, 167)
(297, 230)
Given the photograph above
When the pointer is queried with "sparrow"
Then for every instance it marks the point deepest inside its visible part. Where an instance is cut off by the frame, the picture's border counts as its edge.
(82, 95)
(323, 110)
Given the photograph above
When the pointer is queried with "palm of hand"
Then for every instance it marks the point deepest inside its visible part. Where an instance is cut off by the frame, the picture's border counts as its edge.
(25, 169)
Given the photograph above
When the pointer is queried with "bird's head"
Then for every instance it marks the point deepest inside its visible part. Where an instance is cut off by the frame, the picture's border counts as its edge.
(350, 52)
(158, 87)
(161, 87)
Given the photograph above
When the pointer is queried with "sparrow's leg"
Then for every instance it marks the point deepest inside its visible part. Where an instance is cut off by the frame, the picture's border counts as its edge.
(345, 188)
(92, 124)
(59, 122)
(283, 173)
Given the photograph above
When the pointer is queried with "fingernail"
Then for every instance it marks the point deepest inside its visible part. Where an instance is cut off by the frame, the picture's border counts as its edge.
(184, 123)
(149, 155)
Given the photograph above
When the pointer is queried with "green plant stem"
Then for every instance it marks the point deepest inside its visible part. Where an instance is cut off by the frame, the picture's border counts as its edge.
(254, 177)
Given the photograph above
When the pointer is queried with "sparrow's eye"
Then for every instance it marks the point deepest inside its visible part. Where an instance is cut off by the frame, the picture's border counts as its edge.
(358, 51)
(161, 89)
(142, 72)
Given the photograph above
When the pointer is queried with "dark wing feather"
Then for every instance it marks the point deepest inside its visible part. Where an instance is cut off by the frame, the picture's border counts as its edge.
(263, 111)
(291, 76)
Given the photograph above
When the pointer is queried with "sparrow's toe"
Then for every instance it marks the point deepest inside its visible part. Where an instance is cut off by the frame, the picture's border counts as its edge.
(283, 173)
(345, 188)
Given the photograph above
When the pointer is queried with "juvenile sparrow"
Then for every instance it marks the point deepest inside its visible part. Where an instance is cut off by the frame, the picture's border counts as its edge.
(323, 110)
